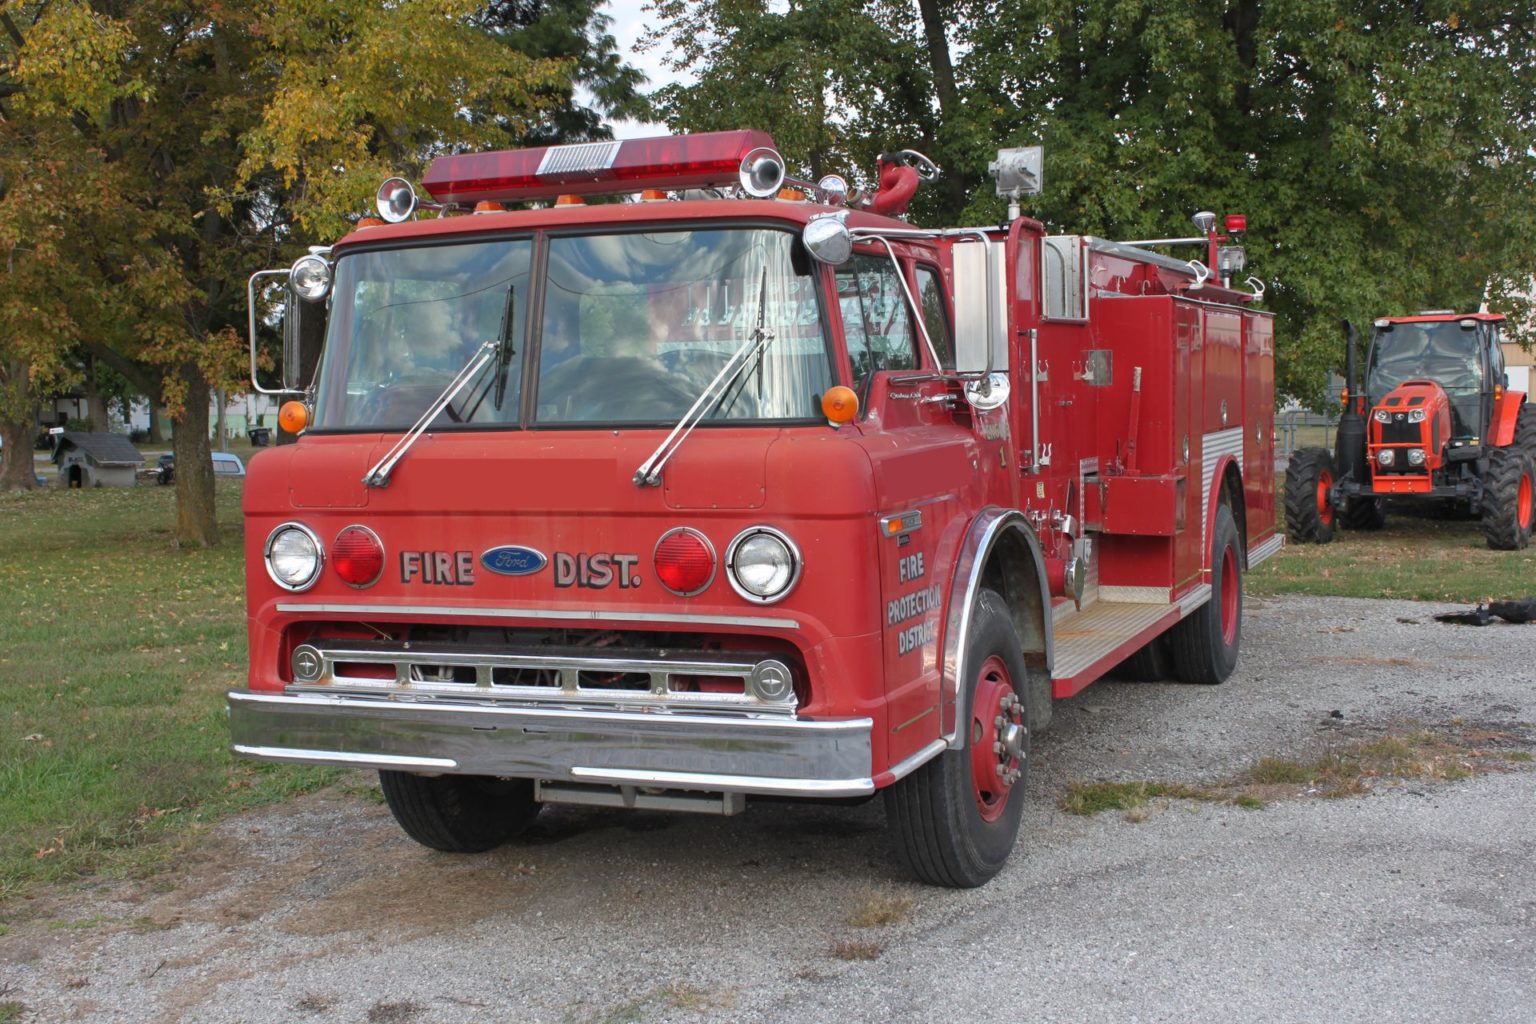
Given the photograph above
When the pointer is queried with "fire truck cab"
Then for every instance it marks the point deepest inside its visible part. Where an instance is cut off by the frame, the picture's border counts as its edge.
(732, 491)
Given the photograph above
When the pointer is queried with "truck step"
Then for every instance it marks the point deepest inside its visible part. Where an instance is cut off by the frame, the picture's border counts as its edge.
(1096, 639)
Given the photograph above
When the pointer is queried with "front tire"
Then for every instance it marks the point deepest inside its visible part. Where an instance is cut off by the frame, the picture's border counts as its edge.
(1308, 512)
(1508, 498)
(955, 820)
(459, 813)
(1206, 643)
(1364, 514)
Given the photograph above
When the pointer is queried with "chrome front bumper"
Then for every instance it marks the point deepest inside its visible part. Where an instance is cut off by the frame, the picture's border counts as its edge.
(690, 751)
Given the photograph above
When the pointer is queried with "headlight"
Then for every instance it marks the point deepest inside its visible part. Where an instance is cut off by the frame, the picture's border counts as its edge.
(1381, 416)
(1384, 457)
(1415, 456)
(310, 278)
(294, 556)
(1416, 415)
(763, 564)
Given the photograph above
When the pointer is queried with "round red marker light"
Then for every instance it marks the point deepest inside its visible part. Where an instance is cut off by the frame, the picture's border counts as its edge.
(1236, 223)
(685, 561)
(358, 556)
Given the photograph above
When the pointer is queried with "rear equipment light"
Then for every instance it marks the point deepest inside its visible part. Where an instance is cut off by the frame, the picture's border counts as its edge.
(763, 564)
(358, 556)
(294, 556)
(685, 561)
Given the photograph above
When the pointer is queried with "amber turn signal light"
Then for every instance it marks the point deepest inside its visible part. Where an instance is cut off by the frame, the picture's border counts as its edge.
(293, 417)
(840, 404)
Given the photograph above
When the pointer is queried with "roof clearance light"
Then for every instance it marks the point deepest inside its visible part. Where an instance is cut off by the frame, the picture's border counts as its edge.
(488, 206)
(653, 195)
(570, 200)
(358, 555)
(671, 162)
(685, 561)
(293, 417)
(396, 200)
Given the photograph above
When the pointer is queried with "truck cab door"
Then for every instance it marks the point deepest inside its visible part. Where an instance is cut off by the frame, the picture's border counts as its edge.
(926, 463)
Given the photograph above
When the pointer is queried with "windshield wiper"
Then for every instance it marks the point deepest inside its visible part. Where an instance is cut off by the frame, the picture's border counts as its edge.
(378, 476)
(649, 473)
(504, 347)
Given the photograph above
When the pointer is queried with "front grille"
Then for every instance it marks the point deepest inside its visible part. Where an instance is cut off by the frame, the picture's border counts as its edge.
(653, 679)
(1401, 432)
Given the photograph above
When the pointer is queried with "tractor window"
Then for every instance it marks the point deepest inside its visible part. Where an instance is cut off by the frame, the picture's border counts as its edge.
(1443, 352)
(876, 321)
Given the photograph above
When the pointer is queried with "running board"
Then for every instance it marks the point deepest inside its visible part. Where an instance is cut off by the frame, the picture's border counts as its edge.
(1096, 639)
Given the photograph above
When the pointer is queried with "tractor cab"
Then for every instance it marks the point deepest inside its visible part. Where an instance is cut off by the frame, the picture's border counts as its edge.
(1456, 356)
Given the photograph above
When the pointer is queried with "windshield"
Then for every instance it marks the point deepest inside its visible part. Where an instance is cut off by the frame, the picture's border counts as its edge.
(405, 322)
(636, 325)
(631, 329)
(1441, 352)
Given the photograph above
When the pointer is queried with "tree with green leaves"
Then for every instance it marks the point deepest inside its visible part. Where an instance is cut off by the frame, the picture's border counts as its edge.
(1382, 152)
(153, 154)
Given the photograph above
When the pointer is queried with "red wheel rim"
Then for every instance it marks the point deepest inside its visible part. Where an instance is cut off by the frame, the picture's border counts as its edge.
(1324, 485)
(1523, 502)
(1231, 594)
(997, 735)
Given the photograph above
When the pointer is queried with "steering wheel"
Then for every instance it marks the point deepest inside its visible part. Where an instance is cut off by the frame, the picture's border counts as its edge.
(926, 169)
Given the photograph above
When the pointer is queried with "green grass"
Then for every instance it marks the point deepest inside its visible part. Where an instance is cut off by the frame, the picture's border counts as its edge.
(115, 653)
(1344, 768)
(1412, 558)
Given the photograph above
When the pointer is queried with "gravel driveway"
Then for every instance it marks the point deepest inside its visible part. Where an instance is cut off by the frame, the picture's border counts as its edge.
(1412, 903)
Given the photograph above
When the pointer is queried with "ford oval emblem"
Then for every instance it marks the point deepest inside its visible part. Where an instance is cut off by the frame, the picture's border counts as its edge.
(513, 560)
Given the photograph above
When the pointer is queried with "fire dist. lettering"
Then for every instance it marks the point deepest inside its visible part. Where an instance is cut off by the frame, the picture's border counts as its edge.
(911, 605)
(443, 568)
(596, 571)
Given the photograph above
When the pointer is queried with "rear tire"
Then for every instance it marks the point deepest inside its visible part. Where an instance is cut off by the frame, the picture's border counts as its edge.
(955, 820)
(1525, 427)
(459, 813)
(1152, 664)
(1508, 505)
(1308, 513)
(1206, 643)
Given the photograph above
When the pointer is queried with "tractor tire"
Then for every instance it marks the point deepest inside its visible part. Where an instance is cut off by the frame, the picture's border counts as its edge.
(1364, 514)
(1205, 644)
(955, 820)
(1308, 514)
(1508, 498)
(1525, 426)
(459, 813)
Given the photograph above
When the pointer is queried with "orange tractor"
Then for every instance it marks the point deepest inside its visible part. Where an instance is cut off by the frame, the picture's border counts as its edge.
(1434, 423)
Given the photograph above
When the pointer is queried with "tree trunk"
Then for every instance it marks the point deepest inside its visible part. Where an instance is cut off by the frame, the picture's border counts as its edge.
(222, 430)
(95, 404)
(956, 188)
(196, 525)
(156, 422)
(17, 408)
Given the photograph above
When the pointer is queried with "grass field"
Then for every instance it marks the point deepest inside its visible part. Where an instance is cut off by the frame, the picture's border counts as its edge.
(115, 652)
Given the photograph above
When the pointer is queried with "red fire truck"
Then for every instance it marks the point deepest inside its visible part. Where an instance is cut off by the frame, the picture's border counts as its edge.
(719, 490)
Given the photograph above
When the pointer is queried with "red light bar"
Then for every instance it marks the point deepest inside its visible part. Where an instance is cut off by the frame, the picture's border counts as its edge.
(1236, 224)
(709, 160)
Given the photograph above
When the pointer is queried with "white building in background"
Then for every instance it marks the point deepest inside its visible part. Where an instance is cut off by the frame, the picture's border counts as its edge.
(242, 413)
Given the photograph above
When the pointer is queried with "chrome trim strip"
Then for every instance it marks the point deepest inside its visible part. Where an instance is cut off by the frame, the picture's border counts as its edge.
(782, 756)
(1191, 601)
(1260, 552)
(375, 610)
(972, 558)
(726, 783)
(326, 757)
(918, 759)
